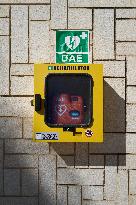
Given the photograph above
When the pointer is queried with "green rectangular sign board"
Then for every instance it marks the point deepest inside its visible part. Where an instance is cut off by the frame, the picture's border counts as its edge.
(72, 46)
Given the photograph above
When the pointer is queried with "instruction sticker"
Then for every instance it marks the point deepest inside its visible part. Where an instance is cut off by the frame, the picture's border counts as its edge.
(46, 136)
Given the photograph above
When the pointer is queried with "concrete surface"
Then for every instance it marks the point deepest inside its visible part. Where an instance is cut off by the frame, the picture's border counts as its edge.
(67, 173)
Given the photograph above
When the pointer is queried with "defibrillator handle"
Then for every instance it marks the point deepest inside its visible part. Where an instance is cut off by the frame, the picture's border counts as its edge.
(38, 102)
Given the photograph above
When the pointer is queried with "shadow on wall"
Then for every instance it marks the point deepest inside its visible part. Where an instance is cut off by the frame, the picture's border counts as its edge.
(92, 154)
(78, 155)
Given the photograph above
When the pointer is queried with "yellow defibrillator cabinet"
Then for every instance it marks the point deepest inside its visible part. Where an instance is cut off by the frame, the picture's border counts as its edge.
(68, 103)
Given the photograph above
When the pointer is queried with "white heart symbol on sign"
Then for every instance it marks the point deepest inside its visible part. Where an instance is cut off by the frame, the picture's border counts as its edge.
(72, 43)
(60, 109)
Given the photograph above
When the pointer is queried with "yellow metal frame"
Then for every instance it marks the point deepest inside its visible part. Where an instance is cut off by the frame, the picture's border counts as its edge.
(96, 71)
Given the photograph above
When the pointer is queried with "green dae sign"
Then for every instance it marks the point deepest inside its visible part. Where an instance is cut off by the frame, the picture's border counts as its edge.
(72, 46)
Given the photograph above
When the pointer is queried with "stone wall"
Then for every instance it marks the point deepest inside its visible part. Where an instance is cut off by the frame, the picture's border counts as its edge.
(67, 173)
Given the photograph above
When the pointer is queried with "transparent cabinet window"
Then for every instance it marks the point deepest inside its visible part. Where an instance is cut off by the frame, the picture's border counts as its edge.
(68, 100)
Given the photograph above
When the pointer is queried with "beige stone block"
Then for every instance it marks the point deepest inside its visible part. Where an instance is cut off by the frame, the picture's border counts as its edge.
(10, 127)
(12, 182)
(29, 182)
(102, 3)
(39, 42)
(4, 26)
(4, 65)
(92, 192)
(39, 12)
(25, 146)
(20, 161)
(131, 94)
(122, 188)
(4, 10)
(96, 161)
(104, 202)
(47, 174)
(131, 71)
(79, 18)
(19, 33)
(19, 200)
(113, 68)
(27, 127)
(110, 177)
(126, 30)
(22, 85)
(65, 161)
(126, 13)
(61, 195)
(132, 200)
(126, 48)
(25, 1)
(22, 69)
(130, 143)
(113, 143)
(132, 180)
(16, 106)
(127, 161)
(74, 195)
(81, 155)
(114, 105)
(59, 14)
(80, 176)
(131, 118)
(103, 34)
(62, 148)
